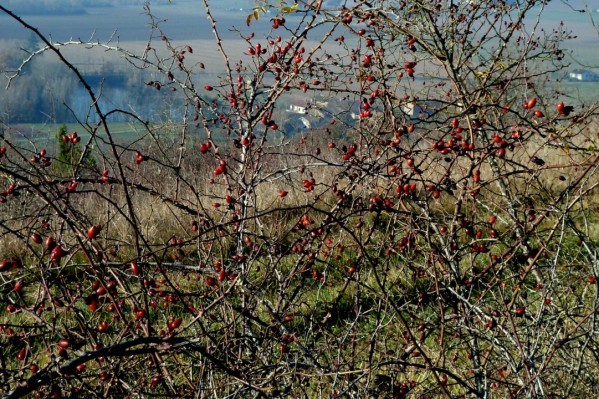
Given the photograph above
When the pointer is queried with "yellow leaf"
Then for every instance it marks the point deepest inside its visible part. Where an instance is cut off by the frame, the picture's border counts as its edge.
(248, 20)
(289, 9)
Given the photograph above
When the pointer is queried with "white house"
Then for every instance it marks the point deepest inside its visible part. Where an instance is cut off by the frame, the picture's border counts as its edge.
(583, 75)
(297, 109)
(420, 110)
(412, 110)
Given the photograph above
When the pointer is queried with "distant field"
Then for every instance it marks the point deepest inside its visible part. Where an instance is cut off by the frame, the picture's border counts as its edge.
(585, 92)
(186, 24)
(50, 129)
(44, 134)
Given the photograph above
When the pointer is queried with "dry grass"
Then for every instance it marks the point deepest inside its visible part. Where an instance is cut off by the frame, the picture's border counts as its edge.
(160, 220)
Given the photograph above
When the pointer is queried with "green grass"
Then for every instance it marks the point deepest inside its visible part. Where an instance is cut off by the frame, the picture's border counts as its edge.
(47, 131)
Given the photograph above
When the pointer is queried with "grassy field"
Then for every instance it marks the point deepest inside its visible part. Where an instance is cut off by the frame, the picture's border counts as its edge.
(43, 135)
(581, 92)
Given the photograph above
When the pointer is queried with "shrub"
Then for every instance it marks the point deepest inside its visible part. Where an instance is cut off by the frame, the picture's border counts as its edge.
(440, 242)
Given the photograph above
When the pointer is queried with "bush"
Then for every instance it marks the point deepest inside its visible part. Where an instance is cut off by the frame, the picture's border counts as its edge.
(69, 154)
(442, 242)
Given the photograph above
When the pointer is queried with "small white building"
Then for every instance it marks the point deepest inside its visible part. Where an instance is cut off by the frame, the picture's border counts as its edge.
(297, 109)
(412, 110)
(583, 75)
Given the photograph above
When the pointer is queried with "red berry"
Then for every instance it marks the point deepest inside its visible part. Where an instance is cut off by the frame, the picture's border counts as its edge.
(175, 323)
(22, 354)
(135, 268)
(50, 243)
(57, 254)
(36, 238)
(140, 314)
(94, 231)
(210, 281)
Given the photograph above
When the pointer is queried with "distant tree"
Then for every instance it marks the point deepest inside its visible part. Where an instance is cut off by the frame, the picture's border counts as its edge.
(69, 153)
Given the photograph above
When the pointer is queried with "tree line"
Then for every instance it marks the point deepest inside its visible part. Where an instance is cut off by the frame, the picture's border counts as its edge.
(44, 88)
(49, 7)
